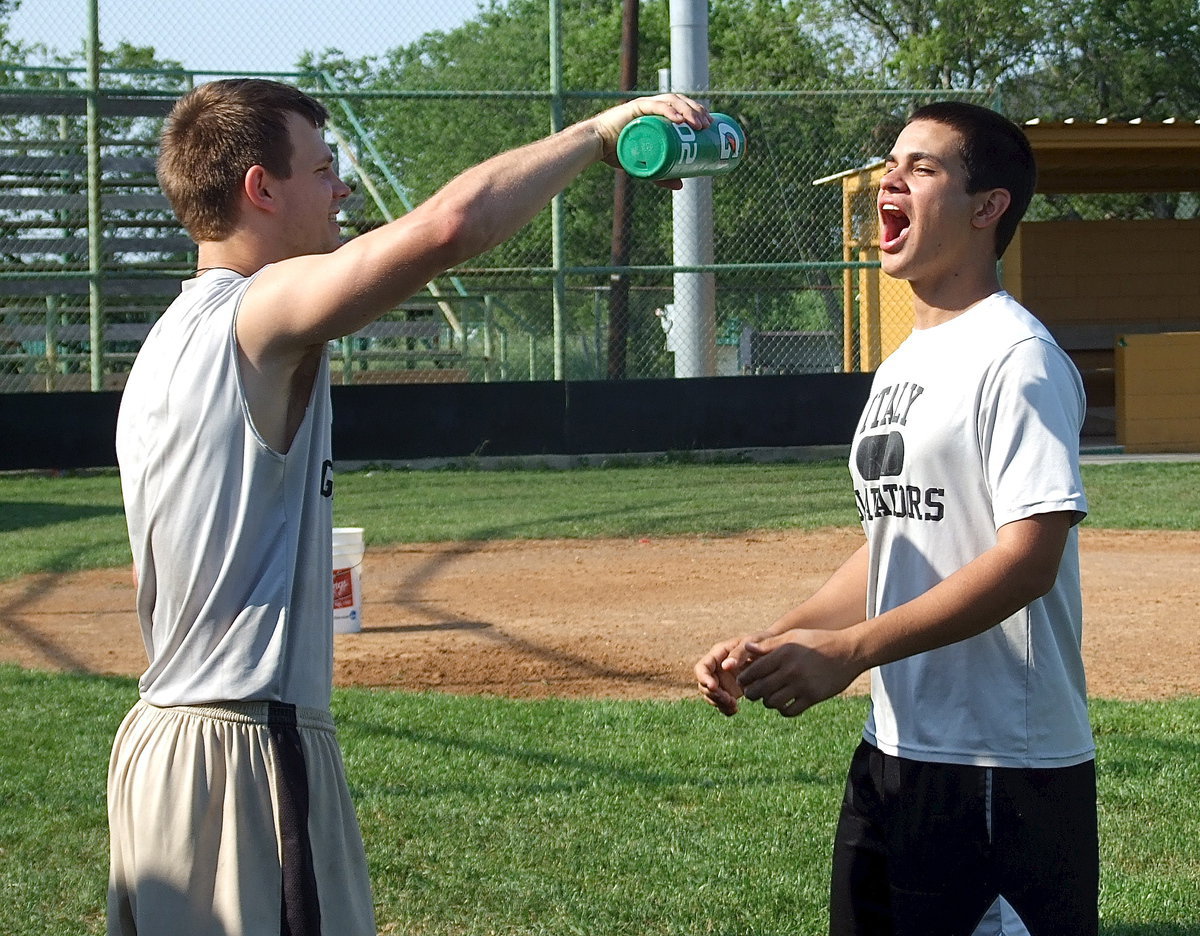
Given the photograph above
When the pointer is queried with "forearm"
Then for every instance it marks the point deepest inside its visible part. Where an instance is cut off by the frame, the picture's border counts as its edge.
(492, 201)
(803, 665)
(1018, 570)
(840, 603)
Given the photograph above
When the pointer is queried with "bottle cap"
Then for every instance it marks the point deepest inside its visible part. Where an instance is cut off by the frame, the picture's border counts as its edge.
(646, 148)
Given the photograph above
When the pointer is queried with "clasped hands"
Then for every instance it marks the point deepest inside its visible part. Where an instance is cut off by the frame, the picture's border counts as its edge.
(789, 672)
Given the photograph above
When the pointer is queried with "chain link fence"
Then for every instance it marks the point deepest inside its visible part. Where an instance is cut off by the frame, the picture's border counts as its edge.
(90, 253)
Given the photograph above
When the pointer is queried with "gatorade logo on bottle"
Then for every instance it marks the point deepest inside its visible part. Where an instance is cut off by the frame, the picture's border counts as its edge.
(729, 141)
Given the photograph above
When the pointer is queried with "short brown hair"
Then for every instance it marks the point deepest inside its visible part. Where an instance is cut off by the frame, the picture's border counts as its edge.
(996, 154)
(214, 134)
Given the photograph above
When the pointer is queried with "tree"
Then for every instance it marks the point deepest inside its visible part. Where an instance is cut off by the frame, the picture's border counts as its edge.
(1121, 59)
(1083, 58)
(935, 44)
(767, 211)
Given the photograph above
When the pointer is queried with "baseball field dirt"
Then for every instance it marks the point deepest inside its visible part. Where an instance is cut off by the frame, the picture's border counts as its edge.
(616, 618)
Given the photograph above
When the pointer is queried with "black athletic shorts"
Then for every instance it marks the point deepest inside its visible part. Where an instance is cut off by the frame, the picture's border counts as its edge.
(924, 849)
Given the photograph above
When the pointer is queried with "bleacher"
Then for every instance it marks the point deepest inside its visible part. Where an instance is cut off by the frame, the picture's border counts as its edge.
(45, 271)
(46, 321)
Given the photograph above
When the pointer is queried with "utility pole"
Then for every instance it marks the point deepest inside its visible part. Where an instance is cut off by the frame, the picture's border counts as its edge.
(622, 227)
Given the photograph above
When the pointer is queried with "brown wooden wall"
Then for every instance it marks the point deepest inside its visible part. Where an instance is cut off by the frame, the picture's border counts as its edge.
(1158, 392)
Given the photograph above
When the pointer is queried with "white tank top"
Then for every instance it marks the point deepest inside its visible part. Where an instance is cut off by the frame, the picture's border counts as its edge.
(231, 539)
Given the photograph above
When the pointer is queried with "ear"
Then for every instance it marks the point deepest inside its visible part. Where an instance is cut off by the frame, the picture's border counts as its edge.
(257, 186)
(989, 206)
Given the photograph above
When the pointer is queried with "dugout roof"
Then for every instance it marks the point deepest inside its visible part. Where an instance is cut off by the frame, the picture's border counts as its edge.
(1136, 156)
(1075, 157)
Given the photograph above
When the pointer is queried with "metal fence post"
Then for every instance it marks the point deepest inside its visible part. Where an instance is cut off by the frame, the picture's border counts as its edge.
(95, 222)
(487, 338)
(692, 207)
(557, 207)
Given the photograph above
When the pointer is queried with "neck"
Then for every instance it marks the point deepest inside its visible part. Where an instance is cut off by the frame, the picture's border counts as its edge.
(244, 255)
(941, 301)
(220, 266)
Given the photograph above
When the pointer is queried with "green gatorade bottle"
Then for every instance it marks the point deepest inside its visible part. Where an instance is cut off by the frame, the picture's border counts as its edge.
(652, 147)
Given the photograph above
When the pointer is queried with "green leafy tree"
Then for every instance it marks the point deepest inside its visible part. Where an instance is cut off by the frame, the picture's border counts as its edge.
(768, 211)
(1083, 59)
(1121, 59)
(935, 44)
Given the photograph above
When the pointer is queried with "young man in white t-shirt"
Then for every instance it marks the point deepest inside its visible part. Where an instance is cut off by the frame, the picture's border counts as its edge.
(974, 786)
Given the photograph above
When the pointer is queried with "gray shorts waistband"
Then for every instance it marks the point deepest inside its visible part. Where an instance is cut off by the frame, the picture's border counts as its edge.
(253, 713)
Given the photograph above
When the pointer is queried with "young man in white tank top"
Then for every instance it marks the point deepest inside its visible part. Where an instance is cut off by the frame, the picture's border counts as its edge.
(228, 808)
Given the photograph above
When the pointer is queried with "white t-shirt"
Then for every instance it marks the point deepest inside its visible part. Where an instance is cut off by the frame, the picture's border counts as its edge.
(232, 540)
(971, 425)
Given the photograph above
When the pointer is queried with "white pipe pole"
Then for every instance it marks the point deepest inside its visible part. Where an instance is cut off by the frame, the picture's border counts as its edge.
(557, 204)
(694, 320)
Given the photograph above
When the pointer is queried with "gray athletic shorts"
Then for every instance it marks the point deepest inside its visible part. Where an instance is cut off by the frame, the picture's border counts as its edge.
(233, 820)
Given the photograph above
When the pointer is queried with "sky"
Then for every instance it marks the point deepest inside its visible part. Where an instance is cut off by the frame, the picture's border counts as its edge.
(240, 35)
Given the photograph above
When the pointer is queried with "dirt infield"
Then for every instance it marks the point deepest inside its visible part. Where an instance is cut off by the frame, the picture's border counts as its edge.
(616, 618)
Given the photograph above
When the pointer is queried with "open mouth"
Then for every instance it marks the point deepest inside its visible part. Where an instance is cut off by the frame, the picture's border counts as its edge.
(893, 227)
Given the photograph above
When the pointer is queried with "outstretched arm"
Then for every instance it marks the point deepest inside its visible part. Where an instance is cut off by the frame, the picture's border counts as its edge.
(296, 305)
(305, 301)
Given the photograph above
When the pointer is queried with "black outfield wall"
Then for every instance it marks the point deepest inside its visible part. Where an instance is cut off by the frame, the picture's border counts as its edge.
(418, 421)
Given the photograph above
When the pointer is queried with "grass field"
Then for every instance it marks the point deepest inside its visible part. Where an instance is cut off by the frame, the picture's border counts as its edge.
(61, 524)
(486, 816)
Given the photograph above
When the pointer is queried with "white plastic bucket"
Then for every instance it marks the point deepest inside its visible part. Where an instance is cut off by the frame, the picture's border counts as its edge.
(347, 579)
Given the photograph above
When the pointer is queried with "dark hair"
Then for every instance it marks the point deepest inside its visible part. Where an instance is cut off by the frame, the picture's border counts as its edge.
(996, 153)
(214, 134)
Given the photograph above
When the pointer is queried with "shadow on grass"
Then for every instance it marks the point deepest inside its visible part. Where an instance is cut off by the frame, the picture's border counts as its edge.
(30, 515)
(586, 769)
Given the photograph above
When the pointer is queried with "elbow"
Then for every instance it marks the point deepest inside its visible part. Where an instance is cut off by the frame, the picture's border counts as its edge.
(454, 232)
(1035, 580)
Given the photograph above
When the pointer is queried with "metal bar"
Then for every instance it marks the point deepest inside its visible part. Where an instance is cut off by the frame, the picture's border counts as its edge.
(622, 222)
(111, 70)
(694, 318)
(95, 218)
(487, 339)
(396, 186)
(52, 316)
(365, 94)
(799, 266)
(557, 205)
(848, 329)
(347, 360)
(668, 268)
